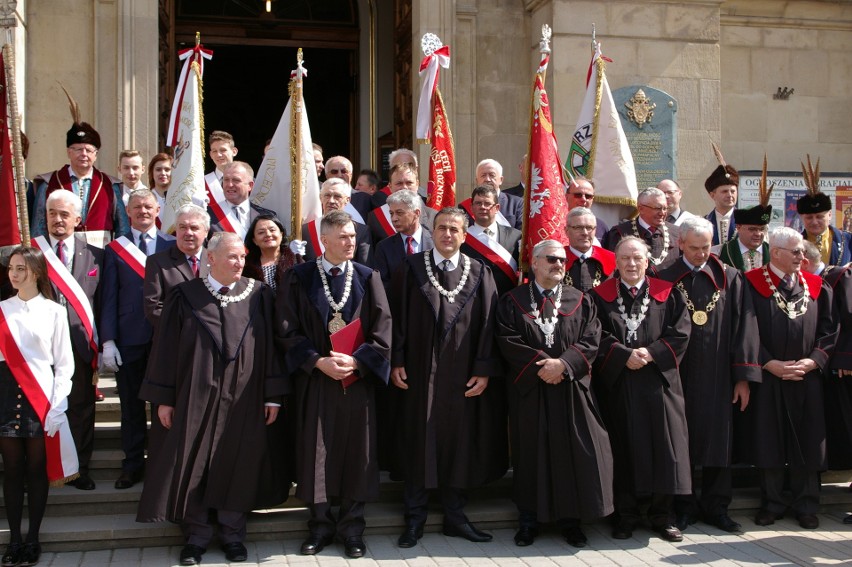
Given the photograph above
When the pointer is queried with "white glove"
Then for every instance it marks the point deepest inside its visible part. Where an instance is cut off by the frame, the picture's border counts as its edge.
(298, 247)
(111, 358)
(53, 421)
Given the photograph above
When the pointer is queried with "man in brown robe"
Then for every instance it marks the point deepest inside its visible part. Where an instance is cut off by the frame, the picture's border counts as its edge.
(548, 335)
(786, 425)
(334, 390)
(645, 331)
(719, 363)
(453, 416)
(217, 390)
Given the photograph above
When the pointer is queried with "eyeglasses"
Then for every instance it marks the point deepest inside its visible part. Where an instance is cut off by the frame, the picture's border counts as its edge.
(662, 209)
(84, 150)
(481, 205)
(795, 251)
(584, 228)
(586, 196)
(338, 171)
(554, 259)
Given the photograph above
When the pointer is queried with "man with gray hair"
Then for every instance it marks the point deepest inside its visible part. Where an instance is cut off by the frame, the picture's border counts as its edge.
(548, 335)
(785, 421)
(489, 172)
(651, 226)
(335, 195)
(720, 362)
(217, 388)
(411, 237)
(587, 265)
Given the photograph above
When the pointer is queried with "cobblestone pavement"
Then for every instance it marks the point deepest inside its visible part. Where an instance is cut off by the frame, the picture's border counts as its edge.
(783, 543)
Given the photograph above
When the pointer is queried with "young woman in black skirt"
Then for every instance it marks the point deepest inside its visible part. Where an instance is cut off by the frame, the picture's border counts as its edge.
(36, 365)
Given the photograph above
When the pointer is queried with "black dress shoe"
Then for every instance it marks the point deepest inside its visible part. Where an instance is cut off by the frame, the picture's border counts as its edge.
(684, 520)
(808, 521)
(575, 536)
(314, 544)
(83, 482)
(669, 532)
(410, 536)
(724, 523)
(128, 479)
(235, 551)
(622, 530)
(525, 536)
(12, 556)
(468, 531)
(766, 518)
(354, 547)
(191, 554)
(30, 554)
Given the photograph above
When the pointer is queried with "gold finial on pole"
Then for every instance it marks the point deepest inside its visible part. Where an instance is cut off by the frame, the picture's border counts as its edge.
(197, 39)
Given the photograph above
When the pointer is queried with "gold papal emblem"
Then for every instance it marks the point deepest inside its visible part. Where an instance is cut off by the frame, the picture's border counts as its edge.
(640, 108)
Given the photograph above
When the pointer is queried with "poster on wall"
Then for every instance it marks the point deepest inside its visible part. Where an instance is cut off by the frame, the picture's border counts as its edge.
(789, 186)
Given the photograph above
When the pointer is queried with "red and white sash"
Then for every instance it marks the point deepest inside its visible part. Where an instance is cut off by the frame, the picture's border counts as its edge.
(62, 463)
(130, 253)
(384, 218)
(313, 234)
(74, 294)
(494, 252)
(467, 206)
(216, 196)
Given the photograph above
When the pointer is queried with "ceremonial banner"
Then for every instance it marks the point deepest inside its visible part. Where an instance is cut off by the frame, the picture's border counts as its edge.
(545, 205)
(186, 136)
(599, 148)
(433, 126)
(9, 230)
(287, 179)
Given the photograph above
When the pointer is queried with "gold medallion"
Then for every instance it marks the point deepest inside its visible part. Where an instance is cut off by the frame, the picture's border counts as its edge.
(336, 323)
(699, 317)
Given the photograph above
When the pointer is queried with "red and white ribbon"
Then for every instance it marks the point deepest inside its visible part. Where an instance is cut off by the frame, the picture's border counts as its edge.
(494, 252)
(189, 56)
(313, 234)
(130, 253)
(429, 75)
(384, 219)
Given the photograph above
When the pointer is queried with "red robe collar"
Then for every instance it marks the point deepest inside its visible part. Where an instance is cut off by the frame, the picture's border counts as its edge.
(604, 257)
(658, 289)
(758, 281)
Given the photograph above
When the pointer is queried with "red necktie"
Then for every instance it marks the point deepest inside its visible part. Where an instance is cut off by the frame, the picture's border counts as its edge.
(409, 245)
(194, 263)
(60, 251)
(633, 291)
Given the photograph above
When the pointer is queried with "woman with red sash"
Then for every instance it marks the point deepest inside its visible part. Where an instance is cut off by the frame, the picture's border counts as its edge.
(35, 378)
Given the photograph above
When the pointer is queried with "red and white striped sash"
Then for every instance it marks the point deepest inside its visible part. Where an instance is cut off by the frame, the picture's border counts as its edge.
(130, 253)
(384, 218)
(313, 234)
(494, 252)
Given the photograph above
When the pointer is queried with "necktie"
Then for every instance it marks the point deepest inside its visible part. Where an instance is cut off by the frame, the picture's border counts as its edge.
(193, 261)
(143, 243)
(652, 230)
(488, 232)
(671, 219)
(695, 271)
(751, 256)
(224, 290)
(409, 245)
(787, 282)
(237, 215)
(633, 291)
(60, 251)
(446, 265)
(335, 271)
(548, 293)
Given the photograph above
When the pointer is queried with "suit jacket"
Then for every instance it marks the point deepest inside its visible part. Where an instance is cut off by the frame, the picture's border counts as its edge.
(362, 202)
(510, 239)
(517, 190)
(711, 216)
(512, 208)
(86, 268)
(427, 220)
(122, 316)
(254, 211)
(390, 254)
(363, 244)
(163, 271)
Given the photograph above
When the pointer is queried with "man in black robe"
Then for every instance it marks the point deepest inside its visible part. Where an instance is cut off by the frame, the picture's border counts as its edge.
(548, 335)
(719, 363)
(453, 416)
(786, 424)
(586, 265)
(218, 389)
(335, 381)
(651, 227)
(645, 332)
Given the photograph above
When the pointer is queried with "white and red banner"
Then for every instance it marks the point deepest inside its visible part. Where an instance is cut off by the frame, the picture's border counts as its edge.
(62, 463)
(130, 253)
(599, 148)
(273, 186)
(545, 204)
(186, 137)
(433, 126)
(9, 230)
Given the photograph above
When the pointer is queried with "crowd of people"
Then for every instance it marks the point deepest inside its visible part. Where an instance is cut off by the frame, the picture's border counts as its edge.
(395, 337)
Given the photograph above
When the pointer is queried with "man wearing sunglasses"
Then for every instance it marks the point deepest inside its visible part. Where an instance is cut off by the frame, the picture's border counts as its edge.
(581, 193)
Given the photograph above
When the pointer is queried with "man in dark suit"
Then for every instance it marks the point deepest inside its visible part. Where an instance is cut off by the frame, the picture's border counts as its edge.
(410, 238)
(184, 261)
(490, 172)
(334, 196)
(84, 263)
(722, 185)
(493, 243)
(237, 183)
(125, 333)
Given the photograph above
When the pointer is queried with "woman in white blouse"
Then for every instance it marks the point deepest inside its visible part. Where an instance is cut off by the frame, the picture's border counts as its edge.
(36, 365)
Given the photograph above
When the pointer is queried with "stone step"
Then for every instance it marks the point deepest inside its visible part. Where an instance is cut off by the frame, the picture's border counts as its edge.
(111, 530)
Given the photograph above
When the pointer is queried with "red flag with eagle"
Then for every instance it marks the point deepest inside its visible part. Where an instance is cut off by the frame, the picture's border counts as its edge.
(545, 205)
(433, 126)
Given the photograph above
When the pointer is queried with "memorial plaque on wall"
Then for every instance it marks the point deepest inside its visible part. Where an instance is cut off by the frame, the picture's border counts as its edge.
(648, 116)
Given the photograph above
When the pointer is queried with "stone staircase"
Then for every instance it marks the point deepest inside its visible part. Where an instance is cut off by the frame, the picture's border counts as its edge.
(104, 518)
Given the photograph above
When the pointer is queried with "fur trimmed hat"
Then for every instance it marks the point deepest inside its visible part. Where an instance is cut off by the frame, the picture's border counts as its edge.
(814, 201)
(80, 132)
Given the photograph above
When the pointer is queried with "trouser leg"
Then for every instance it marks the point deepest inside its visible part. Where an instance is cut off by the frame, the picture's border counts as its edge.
(134, 422)
(660, 512)
(772, 489)
(351, 522)
(416, 500)
(454, 500)
(232, 526)
(804, 485)
(81, 412)
(321, 522)
(716, 492)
